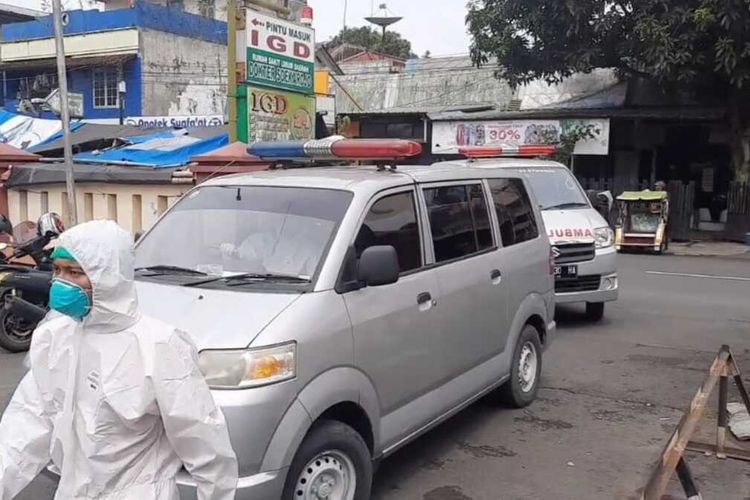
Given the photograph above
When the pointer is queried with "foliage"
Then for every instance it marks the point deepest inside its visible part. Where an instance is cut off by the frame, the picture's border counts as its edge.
(573, 131)
(699, 46)
(393, 44)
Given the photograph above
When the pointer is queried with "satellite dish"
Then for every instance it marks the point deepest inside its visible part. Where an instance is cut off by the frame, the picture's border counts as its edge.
(383, 17)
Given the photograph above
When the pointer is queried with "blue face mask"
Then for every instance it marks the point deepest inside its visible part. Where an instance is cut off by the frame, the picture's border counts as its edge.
(69, 299)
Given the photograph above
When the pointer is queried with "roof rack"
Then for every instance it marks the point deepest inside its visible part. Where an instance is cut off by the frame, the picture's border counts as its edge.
(382, 152)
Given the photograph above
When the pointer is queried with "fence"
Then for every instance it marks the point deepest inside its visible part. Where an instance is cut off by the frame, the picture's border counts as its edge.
(681, 203)
(738, 211)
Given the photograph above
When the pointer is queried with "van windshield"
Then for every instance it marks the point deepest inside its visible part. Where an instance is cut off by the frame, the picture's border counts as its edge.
(555, 188)
(225, 231)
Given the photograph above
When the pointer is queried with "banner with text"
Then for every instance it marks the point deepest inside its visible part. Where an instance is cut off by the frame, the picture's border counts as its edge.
(280, 54)
(275, 115)
(447, 137)
(175, 121)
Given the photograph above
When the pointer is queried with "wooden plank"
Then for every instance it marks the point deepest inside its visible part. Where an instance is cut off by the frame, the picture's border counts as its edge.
(734, 449)
(677, 444)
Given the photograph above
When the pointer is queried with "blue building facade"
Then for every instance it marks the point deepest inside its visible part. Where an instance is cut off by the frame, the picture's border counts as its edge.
(134, 45)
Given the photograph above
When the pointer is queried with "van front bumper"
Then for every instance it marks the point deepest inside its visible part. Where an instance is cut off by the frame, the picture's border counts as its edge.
(597, 279)
(268, 485)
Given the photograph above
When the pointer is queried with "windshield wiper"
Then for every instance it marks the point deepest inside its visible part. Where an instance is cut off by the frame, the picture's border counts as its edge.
(240, 279)
(570, 204)
(164, 269)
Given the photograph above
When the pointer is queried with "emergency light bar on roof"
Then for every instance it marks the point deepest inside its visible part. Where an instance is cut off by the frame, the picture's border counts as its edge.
(337, 148)
(512, 151)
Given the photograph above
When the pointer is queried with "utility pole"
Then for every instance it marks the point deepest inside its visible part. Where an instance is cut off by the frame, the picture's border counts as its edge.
(231, 68)
(65, 113)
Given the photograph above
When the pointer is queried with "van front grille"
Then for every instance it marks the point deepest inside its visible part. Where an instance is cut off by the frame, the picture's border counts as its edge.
(569, 253)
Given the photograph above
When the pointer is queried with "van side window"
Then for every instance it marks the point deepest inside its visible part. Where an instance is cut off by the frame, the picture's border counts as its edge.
(459, 221)
(514, 212)
(392, 220)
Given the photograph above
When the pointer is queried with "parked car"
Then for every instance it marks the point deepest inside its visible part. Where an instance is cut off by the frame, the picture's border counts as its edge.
(341, 312)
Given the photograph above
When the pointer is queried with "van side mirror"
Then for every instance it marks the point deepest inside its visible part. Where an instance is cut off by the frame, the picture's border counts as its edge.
(378, 266)
(593, 196)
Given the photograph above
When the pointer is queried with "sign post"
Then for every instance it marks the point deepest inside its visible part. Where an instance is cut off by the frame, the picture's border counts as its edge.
(62, 78)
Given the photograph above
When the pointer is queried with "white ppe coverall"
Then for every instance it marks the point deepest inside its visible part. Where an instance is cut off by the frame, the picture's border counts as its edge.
(116, 401)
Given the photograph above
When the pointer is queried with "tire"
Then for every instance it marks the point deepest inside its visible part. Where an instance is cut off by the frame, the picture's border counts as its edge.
(328, 449)
(520, 391)
(595, 311)
(15, 334)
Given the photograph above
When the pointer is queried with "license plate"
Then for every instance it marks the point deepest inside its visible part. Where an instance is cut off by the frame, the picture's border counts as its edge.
(566, 272)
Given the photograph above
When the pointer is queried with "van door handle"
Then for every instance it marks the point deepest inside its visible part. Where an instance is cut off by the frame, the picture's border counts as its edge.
(496, 276)
(424, 298)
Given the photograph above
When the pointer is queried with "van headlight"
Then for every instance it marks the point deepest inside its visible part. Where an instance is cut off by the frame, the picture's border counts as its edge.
(241, 369)
(604, 237)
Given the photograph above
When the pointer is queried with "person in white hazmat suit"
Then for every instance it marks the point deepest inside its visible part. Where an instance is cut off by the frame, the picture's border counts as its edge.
(113, 398)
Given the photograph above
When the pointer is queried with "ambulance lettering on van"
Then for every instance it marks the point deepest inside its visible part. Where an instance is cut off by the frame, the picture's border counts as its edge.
(571, 233)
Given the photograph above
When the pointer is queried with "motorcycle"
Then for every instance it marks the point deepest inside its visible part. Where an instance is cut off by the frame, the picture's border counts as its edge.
(24, 287)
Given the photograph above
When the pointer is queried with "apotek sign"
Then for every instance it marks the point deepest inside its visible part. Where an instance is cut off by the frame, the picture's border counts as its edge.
(280, 54)
(175, 121)
(279, 116)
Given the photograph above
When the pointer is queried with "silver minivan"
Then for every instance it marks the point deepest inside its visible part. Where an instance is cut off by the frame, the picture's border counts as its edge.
(340, 312)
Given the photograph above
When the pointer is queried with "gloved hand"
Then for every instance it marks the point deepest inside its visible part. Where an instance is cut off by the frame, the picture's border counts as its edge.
(229, 250)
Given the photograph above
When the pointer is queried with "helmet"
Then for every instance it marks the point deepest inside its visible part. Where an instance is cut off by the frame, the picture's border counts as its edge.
(50, 225)
(5, 225)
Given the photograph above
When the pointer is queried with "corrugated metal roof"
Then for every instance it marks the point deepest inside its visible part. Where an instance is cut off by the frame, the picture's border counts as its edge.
(9, 153)
(656, 113)
(455, 84)
(90, 136)
(88, 133)
(54, 173)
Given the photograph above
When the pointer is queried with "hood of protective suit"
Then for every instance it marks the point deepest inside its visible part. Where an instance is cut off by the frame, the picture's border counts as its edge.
(105, 252)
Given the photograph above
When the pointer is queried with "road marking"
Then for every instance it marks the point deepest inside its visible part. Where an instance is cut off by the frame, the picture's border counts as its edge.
(706, 276)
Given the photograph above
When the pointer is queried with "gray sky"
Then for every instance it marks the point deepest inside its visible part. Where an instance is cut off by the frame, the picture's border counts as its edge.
(440, 30)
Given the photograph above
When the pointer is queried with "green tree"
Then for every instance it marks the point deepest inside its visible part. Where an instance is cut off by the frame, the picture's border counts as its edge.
(701, 47)
(393, 44)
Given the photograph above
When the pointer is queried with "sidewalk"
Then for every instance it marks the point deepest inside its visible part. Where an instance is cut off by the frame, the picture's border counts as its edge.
(708, 249)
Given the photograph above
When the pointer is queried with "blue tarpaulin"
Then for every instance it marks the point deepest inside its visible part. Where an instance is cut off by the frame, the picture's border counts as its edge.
(23, 131)
(158, 150)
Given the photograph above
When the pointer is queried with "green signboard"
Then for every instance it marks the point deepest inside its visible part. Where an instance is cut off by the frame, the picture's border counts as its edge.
(275, 115)
(281, 72)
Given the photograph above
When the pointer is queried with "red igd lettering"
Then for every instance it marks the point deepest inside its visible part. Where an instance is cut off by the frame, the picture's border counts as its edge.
(267, 103)
(301, 50)
(282, 105)
(276, 43)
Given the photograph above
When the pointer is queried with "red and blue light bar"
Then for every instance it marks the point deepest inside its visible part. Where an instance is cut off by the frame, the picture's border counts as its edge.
(507, 151)
(336, 148)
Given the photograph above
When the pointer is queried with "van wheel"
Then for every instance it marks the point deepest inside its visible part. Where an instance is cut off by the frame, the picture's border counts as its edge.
(595, 311)
(332, 463)
(525, 370)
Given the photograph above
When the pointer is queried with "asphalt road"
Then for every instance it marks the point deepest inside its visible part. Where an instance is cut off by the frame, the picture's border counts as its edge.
(612, 393)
